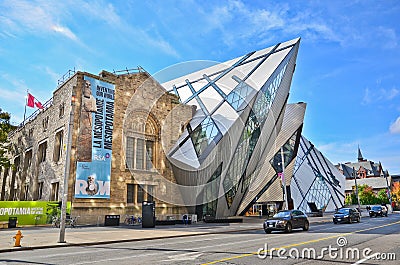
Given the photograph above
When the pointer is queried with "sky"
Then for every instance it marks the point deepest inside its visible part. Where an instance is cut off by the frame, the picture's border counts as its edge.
(348, 66)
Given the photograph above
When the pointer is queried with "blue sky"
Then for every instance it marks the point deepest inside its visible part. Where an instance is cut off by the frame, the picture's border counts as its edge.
(348, 67)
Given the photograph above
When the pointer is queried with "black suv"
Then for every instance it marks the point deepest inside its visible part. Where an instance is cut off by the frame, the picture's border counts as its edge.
(346, 215)
(378, 210)
(286, 221)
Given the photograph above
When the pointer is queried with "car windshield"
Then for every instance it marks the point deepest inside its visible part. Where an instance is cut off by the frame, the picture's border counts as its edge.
(344, 211)
(282, 214)
(376, 208)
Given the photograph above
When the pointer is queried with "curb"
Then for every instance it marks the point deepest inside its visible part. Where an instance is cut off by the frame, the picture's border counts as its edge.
(61, 245)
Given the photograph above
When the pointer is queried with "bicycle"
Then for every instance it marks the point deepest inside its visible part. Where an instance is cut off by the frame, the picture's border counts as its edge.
(129, 219)
(55, 221)
(132, 220)
(72, 221)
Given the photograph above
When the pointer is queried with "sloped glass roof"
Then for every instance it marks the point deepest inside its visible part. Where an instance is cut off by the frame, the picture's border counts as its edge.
(224, 88)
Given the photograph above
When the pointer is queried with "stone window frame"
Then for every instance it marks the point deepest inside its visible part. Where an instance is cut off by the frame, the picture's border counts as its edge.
(45, 123)
(61, 113)
(58, 145)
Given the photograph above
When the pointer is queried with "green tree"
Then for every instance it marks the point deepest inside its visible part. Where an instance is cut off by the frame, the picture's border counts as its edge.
(382, 196)
(352, 199)
(5, 128)
(367, 195)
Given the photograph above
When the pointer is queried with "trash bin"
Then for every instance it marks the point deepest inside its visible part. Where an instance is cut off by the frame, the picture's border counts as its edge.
(111, 220)
(12, 222)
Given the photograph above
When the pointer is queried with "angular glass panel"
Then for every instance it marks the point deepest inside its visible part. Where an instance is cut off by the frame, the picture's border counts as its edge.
(203, 135)
(209, 206)
(288, 151)
(239, 94)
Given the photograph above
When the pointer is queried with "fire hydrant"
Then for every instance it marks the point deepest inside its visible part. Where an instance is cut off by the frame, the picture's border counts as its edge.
(18, 236)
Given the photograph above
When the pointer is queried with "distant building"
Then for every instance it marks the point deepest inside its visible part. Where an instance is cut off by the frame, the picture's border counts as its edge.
(367, 172)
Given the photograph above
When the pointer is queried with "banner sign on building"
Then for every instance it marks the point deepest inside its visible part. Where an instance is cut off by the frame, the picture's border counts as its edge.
(31, 212)
(94, 147)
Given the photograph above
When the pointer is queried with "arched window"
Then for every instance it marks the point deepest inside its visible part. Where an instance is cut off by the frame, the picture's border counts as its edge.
(141, 142)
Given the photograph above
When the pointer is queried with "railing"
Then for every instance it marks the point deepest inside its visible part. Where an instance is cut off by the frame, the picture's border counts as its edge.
(65, 77)
(139, 69)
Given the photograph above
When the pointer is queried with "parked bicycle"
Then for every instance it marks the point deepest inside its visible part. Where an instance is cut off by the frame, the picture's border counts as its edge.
(56, 221)
(132, 220)
(72, 221)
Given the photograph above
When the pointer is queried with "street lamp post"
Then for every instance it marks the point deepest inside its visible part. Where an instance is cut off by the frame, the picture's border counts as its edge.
(355, 181)
(389, 194)
(64, 198)
(283, 180)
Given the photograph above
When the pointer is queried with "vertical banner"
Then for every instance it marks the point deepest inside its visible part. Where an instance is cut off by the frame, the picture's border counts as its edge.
(94, 148)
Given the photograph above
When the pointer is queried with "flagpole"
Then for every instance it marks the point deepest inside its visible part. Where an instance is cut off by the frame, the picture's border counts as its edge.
(26, 102)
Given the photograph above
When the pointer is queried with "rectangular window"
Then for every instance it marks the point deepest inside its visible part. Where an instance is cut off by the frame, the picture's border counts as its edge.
(42, 152)
(28, 160)
(40, 190)
(30, 133)
(62, 110)
(54, 191)
(58, 142)
(149, 154)
(130, 193)
(129, 151)
(45, 123)
(150, 193)
(26, 190)
(140, 194)
(139, 154)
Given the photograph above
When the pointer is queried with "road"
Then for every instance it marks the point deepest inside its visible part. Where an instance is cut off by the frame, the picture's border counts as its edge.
(373, 241)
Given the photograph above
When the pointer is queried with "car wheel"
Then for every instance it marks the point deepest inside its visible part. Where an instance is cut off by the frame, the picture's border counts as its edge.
(267, 231)
(335, 222)
(288, 227)
(306, 226)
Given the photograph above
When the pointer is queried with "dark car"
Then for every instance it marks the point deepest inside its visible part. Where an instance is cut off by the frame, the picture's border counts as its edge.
(286, 221)
(378, 211)
(346, 215)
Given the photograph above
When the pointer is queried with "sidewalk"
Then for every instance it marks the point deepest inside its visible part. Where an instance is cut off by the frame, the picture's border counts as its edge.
(47, 237)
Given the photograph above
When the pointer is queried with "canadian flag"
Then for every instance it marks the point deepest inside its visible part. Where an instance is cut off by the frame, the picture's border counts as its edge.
(32, 102)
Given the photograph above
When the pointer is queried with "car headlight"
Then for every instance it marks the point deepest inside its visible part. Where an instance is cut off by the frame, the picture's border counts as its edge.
(282, 222)
(346, 216)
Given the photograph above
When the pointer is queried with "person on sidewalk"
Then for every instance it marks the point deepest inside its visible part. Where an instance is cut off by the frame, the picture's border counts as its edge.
(184, 218)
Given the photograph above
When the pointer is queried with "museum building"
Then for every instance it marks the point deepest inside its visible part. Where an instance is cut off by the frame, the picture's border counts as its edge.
(214, 143)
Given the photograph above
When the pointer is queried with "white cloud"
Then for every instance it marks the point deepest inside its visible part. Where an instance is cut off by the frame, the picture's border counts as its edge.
(373, 96)
(33, 17)
(395, 127)
(64, 31)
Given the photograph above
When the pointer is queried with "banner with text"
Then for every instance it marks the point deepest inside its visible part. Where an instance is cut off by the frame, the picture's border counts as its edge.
(94, 148)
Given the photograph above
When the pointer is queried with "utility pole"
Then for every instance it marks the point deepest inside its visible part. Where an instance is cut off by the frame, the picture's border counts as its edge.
(355, 181)
(389, 193)
(64, 198)
(283, 180)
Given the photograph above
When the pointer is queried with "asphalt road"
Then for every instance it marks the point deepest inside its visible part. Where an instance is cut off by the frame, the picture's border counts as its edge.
(373, 241)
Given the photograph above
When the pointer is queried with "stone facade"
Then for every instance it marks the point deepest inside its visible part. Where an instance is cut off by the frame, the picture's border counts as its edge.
(143, 112)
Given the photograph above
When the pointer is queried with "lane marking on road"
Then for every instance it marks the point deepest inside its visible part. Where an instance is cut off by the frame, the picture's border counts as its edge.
(301, 243)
